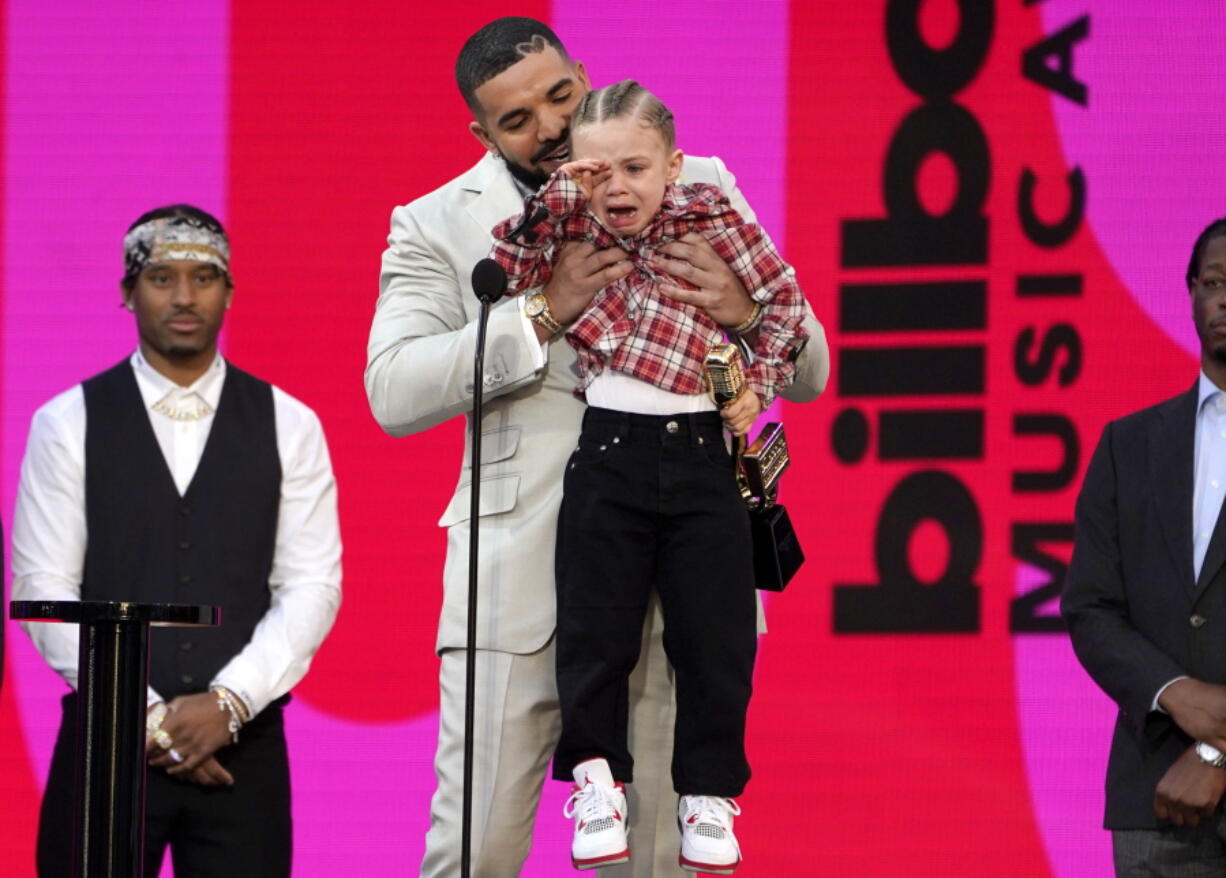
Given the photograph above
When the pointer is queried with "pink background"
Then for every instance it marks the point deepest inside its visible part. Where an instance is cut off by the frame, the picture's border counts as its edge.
(113, 107)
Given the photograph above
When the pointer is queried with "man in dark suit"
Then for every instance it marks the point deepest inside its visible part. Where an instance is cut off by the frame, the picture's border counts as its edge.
(1145, 602)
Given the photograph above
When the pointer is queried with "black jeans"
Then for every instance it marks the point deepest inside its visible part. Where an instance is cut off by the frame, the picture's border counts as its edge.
(651, 502)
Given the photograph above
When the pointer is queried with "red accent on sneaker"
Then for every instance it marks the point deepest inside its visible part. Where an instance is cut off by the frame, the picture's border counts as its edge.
(607, 859)
(709, 868)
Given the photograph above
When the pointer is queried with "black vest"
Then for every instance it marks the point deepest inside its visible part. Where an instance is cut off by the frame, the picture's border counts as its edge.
(214, 545)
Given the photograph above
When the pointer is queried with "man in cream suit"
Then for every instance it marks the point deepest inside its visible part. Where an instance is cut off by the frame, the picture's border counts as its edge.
(522, 87)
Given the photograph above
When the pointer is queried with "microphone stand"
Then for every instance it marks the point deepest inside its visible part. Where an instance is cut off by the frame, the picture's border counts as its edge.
(489, 281)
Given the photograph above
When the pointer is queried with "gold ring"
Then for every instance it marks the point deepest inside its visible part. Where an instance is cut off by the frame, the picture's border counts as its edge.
(162, 737)
(156, 716)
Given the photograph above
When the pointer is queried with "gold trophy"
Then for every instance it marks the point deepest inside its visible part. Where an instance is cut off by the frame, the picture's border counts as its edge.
(776, 550)
(759, 465)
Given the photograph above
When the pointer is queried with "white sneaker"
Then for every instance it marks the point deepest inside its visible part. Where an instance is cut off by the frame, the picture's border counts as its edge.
(599, 808)
(707, 842)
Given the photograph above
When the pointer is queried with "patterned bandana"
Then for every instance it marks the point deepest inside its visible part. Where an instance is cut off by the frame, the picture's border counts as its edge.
(175, 237)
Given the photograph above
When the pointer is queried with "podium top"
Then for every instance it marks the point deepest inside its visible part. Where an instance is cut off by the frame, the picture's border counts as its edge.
(114, 611)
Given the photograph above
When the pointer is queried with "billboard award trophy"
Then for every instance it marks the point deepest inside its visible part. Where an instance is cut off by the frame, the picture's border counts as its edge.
(776, 550)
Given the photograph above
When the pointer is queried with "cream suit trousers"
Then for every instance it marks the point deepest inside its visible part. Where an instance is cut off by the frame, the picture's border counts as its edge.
(517, 727)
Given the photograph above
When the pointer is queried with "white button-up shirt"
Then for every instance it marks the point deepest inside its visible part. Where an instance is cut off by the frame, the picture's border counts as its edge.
(49, 527)
(1210, 475)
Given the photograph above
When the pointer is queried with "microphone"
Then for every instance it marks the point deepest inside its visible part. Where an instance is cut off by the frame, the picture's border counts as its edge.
(725, 373)
(489, 281)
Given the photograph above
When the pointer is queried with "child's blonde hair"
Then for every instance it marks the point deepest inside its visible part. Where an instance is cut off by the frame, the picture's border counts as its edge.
(626, 99)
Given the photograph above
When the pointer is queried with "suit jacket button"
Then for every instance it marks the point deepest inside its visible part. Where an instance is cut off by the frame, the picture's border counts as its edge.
(1197, 620)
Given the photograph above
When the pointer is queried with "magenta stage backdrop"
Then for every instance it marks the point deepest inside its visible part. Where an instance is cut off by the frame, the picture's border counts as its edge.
(917, 710)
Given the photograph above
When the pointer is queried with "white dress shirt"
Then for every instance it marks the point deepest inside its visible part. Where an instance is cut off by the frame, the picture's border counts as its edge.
(49, 527)
(1209, 482)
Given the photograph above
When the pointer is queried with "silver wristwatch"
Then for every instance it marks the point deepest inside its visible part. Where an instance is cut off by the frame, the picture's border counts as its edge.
(1210, 755)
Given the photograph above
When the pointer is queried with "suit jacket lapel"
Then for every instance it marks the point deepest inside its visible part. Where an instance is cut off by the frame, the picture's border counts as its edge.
(497, 198)
(1172, 451)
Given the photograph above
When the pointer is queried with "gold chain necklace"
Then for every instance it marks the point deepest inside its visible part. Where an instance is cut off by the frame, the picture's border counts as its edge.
(177, 414)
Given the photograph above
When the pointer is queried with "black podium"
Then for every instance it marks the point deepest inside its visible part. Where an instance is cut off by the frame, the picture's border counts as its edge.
(113, 675)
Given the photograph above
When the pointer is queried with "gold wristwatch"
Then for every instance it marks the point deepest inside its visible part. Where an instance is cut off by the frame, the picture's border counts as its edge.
(537, 308)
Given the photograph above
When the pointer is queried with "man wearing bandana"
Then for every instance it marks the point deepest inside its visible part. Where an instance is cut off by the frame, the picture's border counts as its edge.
(195, 483)
(522, 87)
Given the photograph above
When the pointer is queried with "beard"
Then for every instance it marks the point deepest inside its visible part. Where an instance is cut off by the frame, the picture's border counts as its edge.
(531, 177)
(178, 348)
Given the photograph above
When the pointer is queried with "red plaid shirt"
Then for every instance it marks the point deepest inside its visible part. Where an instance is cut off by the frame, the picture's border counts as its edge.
(630, 326)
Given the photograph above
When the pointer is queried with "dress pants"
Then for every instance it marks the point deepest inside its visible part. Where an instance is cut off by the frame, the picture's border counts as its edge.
(1173, 852)
(517, 729)
(243, 831)
(650, 503)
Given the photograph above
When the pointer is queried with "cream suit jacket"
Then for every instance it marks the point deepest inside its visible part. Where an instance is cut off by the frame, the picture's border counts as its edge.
(419, 373)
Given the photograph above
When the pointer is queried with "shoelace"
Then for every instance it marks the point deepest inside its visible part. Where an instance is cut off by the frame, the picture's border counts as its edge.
(593, 802)
(713, 811)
